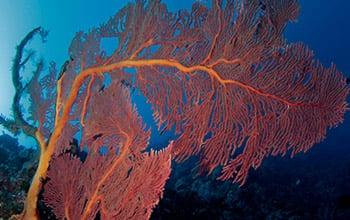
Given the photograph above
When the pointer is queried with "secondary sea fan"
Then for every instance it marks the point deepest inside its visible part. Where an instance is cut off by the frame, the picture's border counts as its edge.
(110, 177)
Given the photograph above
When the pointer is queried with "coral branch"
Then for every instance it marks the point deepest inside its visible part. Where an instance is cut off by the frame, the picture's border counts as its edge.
(18, 123)
(86, 101)
(218, 15)
(58, 104)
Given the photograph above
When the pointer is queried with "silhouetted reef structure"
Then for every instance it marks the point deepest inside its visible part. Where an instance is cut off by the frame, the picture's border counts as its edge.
(17, 166)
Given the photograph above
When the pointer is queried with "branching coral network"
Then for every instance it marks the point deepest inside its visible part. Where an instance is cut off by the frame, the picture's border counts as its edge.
(223, 76)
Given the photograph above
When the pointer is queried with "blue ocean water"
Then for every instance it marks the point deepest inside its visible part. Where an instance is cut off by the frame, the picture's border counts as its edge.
(322, 25)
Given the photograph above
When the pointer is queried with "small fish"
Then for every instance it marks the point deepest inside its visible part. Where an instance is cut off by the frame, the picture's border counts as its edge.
(127, 84)
(96, 136)
(74, 147)
(102, 88)
(64, 67)
(161, 132)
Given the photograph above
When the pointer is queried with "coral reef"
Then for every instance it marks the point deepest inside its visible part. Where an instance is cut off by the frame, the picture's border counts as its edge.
(17, 167)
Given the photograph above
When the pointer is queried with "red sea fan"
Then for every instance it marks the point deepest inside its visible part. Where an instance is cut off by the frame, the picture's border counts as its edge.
(223, 76)
(234, 89)
(115, 180)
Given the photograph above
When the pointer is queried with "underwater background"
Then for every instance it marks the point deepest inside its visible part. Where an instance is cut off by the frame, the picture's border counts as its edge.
(315, 185)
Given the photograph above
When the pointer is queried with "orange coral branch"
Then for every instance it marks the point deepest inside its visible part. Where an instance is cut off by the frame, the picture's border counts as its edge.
(59, 99)
(30, 210)
(216, 35)
(184, 69)
(113, 166)
(223, 60)
(86, 101)
(143, 46)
